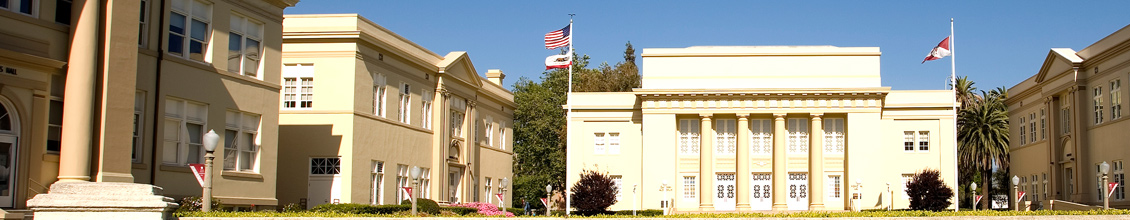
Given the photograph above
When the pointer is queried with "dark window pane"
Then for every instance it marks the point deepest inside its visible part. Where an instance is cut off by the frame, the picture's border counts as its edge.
(176, 44)
(143, 10)
(56, 115)
(176, 23)
(25, 6)
(63, 11)
(199, 30)
(5, 119)
(3, 4)
(196, 50)
(234, 43)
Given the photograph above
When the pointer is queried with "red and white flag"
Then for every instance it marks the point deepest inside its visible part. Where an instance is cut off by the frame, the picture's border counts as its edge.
(558, 38)
(1110, 188)
(407, 191)
(942, 50)
(198, 172)
(558, 61)
(499, 197)
(545, 202)
(1019, 195)
(977, 199)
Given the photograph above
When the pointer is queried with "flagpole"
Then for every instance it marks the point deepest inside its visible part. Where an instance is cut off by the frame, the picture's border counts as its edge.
(569, 119)
(953, 87)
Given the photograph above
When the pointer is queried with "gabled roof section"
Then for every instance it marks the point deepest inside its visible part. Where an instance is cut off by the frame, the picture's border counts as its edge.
(1057, 59)
(459, 60)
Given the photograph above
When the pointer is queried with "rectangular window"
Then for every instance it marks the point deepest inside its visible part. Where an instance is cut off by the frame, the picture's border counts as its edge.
(379, 94)
(1098, 104)
(189, 29)
(375, 188)
(613, 143)
(1099, 185)
(1035, 188)
(761, 136)
(22, 6)
(488, 190)
(1067, 174)
(1065, 119)
(1023, 131)
(458, 106)
(924, 140)
(489, 131)
(618, 181)
(906, 178)
(798, 135)
(1115, 99)
(426, 107)
(598, 143)
(1031, 127)
(834, 186)
(688, 137)
(298, 86)
(184, 127)
(241, 141)
(502, 137)
(405, 100)
(908, 141)
(425, 183)
(325, 166)
(63, 11)
(402, 181)
(1043, 127)
(138, 122)
(1118, 176)
(245, 46)
(143, 24)
(725, 139)
(55, 126)
(689, 187)
(834, 135)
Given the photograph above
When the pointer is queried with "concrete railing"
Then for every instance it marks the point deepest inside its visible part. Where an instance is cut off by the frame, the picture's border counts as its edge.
(1065, 205)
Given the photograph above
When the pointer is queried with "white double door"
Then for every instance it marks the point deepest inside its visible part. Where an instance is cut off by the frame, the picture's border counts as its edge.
(761, 191)
(7, 169)
(798, 191)
(725, 192)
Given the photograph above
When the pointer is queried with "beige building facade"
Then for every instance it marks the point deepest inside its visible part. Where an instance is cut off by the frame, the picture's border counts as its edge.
(762, 128)
(361, 105)
(122, 91)
(1069, 118)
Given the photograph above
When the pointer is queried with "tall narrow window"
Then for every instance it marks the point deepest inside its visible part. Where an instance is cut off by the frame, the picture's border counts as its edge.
(458, 106)
(55, 126)
(725, 138)
(375, 188)
(906, 178)
(189, 29)
(298, 86)
(1065, 119)
(1023, 131)
(618, 181)
(502, 136)
(908, 141)
(924, 140)
(1115, 99)
(63, 11)
(613, 143)
(798, 135)
(426, 108)
(489, 132)
(488, 190)
(402, 181)
(405, 100)
(1118, 176)
(142, 27)
(598, 143)
(244, 46)
(761, 136)
(689, 187)
(1031, 127)
(183, 127)
(138, 122)
(425, 183)
(834, 186)
(688, 137)
(379, 94)
(1043, 126)
(1098, 103)
(241, 137)
(834, 135)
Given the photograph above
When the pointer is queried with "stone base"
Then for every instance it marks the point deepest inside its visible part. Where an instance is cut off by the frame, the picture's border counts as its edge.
(102, 200)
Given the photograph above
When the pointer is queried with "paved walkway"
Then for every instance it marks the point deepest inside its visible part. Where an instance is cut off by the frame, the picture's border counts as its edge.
(1045, 217)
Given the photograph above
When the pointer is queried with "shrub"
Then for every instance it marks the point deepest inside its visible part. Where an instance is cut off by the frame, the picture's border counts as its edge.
(486, 209)
(458, 210)
(593, 193)
(292, 207)
(193, 203)
(347, 208)
(928, 192)
(646, 212)
(516, 211)
(423, 205)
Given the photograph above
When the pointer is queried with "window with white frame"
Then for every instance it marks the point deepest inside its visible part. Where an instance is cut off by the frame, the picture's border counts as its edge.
(688, 136)
(613, 143)
(761, 136)
(906, 178)
(189, 29)
(598, 143)
(1023, 131)
(924, 141)
(618, 181)
(1065, 119)
(425, 183)
(798, 135)
(55, 126)
(184, 129)
(245, 46)
(489, 131)
(689, 186)
(834, 186)
(138, 122)
(1099, 185)
(405, 101)
(488, 190)
(379, 94)
(502, 136)
(834, 135)
(1031, 127)
(1115, 99)
(426, 108)
(1043, 126)
(375, 187)
(298, 86)
(1045, 184)
(725, 140)
(1098, 104)
(916, 140)
(1035, 194)
(1118, 176)
(27, 7)
(143, 24)
(402, 181)
(241, 137)
(458, 106)
(908, 141)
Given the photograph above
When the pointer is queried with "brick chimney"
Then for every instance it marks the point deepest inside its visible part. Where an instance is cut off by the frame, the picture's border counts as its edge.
(495, 76)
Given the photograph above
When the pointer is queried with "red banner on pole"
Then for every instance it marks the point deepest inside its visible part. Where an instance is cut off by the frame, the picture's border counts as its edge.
(408, 191)
(1019, 195)
(545, 201)
(499, 196)
(1110, 188)
(977, 199)
(198, 171)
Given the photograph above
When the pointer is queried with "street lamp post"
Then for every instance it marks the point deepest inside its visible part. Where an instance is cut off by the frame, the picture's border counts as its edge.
(634, 198)
(548, 197)
(664, 188)
(855, 198)
(1050, 203)
(1016, 191)
(210, 140)
(1103, 168)
(415, 175)
(974, 191)
(502, 190)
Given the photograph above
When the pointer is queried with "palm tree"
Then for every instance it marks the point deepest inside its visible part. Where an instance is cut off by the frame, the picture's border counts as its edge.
(965, 90)
(983, 136)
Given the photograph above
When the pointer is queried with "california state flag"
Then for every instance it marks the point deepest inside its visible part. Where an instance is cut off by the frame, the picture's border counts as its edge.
(942, 50)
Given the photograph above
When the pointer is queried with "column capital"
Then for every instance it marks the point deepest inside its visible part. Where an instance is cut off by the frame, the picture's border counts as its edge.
(472, 103)
(816, 116)
(779, 116)
(743, 115)
(705, 116)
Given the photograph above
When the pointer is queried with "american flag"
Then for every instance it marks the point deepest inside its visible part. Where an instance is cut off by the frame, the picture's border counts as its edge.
(558, 38)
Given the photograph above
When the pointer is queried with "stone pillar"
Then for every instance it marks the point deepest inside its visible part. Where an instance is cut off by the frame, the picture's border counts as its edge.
(119, 78)
(706, 164)
(469, 151)
(780, 173)
(78, 96)
(102, 200)
(816, 163)
(743, 162)
(441, 127)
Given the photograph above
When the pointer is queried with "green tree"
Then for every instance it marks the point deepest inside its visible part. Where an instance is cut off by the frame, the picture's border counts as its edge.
(983, 137)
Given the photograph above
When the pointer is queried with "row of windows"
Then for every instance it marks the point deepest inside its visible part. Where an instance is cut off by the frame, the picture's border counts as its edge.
(760, 136)
(1028, 127)
(761, 185)
(1115, 101)
(184, 127)
(1117, 175)
(606, 143)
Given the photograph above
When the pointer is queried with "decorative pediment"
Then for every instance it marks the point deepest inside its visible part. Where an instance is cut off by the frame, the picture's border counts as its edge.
(1058, 61)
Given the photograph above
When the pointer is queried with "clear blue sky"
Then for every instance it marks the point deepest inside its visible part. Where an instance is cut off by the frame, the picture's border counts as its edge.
(998, 43)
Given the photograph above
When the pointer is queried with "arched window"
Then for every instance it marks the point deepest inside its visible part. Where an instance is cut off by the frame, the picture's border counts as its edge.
(5, 119)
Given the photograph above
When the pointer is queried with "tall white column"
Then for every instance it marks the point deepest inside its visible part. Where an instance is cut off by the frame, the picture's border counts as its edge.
(816, 163)
(706, 164)
(78, 96)
(779, 162)
(743, 162)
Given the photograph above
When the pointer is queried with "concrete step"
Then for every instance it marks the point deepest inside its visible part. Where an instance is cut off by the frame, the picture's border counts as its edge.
(20, 214)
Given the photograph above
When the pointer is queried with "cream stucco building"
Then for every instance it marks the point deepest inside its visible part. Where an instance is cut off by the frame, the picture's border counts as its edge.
(762, 128)
(1068, 118)
(361, 105)
(121, 91)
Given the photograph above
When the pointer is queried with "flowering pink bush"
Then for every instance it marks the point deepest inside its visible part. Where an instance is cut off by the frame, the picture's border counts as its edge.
(485, 208)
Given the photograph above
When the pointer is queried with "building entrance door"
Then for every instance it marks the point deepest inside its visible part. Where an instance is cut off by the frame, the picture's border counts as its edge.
(798, 191)
(324, 184)
(760, 197)
(724, 193)
(7, 169)
(454, 175)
